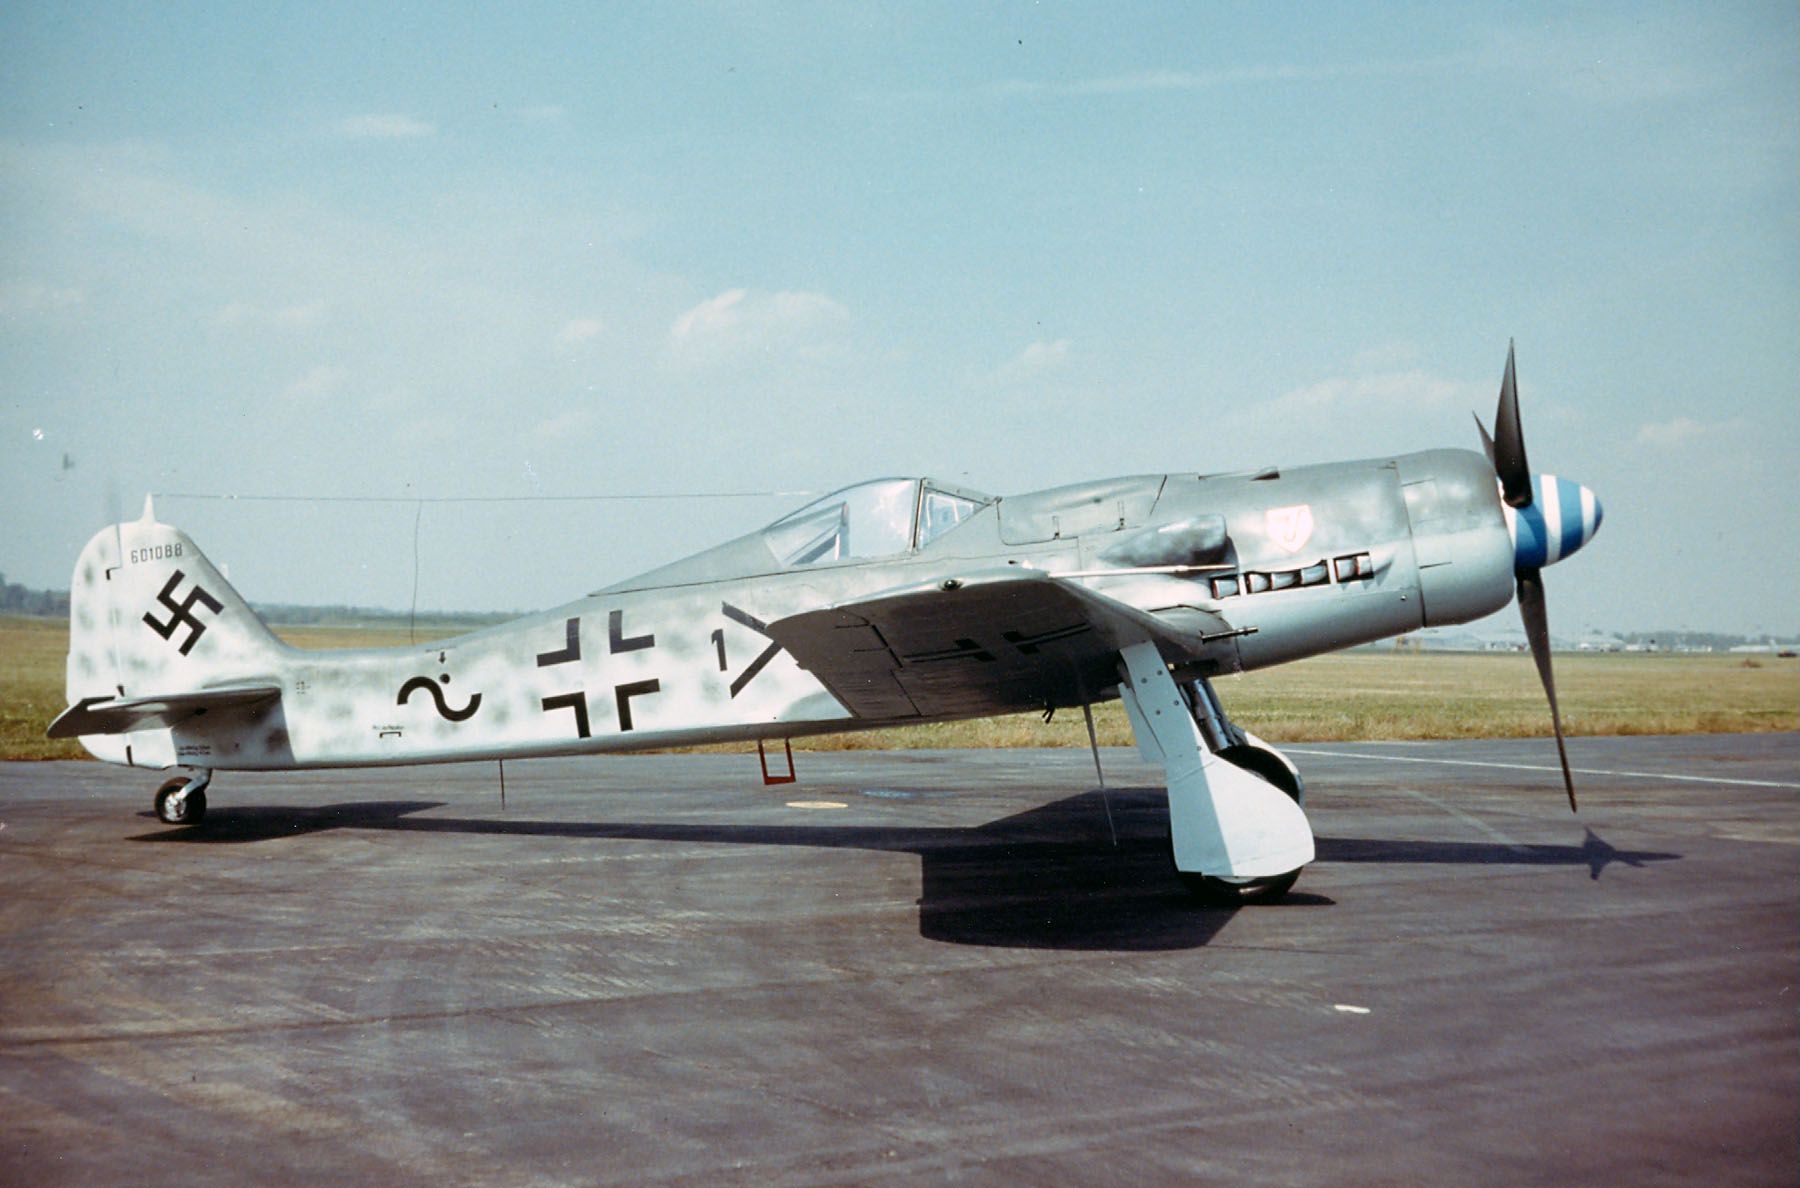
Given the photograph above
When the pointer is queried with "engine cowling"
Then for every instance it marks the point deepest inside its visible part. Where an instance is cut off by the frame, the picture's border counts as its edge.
(1463, 548)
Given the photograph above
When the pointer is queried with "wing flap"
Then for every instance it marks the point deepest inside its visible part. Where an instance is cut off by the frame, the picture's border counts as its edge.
(987, 643)
(122, 715)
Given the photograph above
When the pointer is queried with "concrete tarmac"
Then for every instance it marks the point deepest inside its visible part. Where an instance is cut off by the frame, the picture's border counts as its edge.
(910, 966)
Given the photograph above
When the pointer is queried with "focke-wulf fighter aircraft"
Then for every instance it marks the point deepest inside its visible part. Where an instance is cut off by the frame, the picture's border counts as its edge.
(896, 601)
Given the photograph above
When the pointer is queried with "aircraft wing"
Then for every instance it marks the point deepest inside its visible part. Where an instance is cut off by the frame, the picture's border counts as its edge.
(988, 643)
(121, 715)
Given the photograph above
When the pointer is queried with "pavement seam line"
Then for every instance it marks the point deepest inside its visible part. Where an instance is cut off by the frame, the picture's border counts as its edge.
(1594, 771)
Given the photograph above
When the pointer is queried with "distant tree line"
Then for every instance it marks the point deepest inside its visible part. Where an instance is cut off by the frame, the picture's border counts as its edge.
(54, 604)
(1687, 640)
(18, 600)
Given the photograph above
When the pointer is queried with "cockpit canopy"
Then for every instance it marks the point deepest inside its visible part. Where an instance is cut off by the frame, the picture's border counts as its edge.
(879, 518)
(883, 518)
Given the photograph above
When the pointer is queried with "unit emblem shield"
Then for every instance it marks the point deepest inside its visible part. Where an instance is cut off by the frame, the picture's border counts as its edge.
(1290, 527)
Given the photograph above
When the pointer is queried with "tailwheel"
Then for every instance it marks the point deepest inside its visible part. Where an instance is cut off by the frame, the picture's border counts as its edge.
(181, 801)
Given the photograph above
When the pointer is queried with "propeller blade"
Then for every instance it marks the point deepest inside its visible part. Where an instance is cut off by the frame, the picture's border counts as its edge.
(1537, 633)
(1487, 443)
(1509, 441)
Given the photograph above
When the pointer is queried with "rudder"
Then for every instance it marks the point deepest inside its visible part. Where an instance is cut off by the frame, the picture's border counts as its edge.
(149, 615)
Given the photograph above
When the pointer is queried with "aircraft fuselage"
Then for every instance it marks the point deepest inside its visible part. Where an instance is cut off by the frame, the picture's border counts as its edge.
(1296, 562)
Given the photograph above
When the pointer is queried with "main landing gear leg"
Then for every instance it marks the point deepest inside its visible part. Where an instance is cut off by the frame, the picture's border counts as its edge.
(182, 798)
(1236, 830)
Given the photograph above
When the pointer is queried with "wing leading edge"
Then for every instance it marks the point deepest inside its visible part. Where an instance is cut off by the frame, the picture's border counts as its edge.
(988, 643)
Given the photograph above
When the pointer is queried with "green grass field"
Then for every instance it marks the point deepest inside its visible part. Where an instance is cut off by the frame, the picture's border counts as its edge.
(1347, 696)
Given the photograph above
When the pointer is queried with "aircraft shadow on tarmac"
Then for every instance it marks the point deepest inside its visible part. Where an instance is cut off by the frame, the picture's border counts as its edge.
(1083, 873)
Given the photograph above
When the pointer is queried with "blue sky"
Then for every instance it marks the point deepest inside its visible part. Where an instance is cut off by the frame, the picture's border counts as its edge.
(427, 251)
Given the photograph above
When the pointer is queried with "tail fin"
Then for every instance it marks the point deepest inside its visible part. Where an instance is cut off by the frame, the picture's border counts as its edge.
(149, 616)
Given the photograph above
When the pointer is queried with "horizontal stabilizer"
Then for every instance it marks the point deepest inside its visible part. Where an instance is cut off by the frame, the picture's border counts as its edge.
(122, 715)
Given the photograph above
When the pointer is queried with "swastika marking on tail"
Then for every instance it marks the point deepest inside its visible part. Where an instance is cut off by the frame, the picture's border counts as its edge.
(181, 614)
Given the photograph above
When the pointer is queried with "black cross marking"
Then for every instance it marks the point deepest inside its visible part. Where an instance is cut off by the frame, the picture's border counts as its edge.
(745, 617)
(624, 693)
(182, 613)
(571, 649)
(965, 649)
(1028, 644)
(574, 701)
(757, 665)
(615, 636)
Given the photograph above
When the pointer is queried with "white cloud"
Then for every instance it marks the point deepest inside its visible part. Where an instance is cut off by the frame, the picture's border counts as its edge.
(1034, 362)
(388, 126)
(1381, 391)
(571, 425)
(1155, 80)
(578, 330)
(1610, 61)
(319, 383)
(1389, 356)
(711, 315)
(239, 314)
(1682, 431)
(21, 297)
(741, 323)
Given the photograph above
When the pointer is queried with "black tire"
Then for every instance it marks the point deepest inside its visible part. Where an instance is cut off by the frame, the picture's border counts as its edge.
(1259, 762)
(1230, 893)
(193, 806)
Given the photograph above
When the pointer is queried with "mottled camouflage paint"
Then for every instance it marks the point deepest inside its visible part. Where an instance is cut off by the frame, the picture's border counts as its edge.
(1436, 545)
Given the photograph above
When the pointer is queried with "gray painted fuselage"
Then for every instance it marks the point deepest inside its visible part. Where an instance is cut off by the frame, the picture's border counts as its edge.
(1294, 563)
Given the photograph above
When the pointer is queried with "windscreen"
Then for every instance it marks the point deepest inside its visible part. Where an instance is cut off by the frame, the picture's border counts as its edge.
(873, 519)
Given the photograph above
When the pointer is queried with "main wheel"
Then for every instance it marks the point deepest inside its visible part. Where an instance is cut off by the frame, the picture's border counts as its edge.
(1215, 891)
(183, 810)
